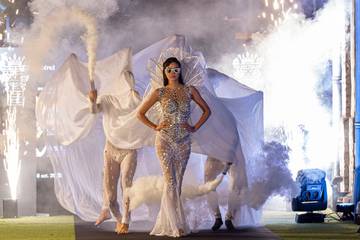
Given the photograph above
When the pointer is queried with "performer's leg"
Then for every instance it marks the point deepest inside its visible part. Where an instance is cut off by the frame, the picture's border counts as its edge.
(213, 168)
(181, 159)
(105, 209)
(237, 182)
(128, 167)
(112, 173)
(173, 158)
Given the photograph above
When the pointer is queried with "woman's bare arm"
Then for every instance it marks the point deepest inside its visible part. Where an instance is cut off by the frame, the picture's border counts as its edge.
(146, 105)
(195, 95)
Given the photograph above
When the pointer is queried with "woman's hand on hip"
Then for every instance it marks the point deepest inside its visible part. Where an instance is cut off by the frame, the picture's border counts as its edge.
(188, 127)
(161, 125)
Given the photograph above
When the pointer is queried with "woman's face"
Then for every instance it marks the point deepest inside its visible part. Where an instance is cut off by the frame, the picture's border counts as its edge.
(172, 72)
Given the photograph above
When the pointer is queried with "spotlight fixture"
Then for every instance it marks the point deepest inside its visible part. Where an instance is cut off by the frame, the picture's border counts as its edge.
(313, 196)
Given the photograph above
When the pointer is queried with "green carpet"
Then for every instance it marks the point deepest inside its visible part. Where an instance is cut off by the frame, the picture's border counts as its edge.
(282, 224)
(63, 228)
(34, 228)
(345, 231)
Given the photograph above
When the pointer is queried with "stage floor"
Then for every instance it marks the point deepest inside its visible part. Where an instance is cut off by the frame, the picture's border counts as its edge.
(276, 225)
(87, 231)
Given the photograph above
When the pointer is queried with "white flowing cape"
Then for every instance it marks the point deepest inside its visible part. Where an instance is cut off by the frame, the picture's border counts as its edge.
(75, 137)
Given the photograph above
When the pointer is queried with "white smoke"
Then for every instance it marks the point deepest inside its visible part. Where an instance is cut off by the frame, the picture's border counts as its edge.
(276, 178)
(139, 23)
(60, 28)
(296, 57)
(148, 190)
(47, 35)
(102, 11)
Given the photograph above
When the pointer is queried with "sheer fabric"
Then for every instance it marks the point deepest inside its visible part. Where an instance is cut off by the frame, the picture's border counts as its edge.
(118, 164)
(76, 138)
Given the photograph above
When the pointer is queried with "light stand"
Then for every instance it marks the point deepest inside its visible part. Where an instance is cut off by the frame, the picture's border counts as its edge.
(10, 208)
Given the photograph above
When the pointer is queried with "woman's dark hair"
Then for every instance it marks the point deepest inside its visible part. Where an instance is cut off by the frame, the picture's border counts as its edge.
(166, 64)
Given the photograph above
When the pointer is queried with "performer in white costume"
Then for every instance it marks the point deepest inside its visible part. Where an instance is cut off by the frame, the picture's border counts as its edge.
(117, 162)
(213, 167)
(76, 138)
(173, 144)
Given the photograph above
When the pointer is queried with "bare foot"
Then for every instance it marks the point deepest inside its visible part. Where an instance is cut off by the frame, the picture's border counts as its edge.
(124, 228)
(104, 215)
(118, 227)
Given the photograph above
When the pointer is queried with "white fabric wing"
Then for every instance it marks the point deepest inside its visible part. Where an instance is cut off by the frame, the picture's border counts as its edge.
(234, 130)
(62, 109)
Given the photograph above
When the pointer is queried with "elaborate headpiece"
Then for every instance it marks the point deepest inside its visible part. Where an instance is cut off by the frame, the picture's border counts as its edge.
(192, 66)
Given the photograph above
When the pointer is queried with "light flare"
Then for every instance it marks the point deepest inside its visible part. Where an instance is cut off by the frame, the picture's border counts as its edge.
(12, 162)
(296, 55)
(14, 78)
(276, 5)
(279, 9)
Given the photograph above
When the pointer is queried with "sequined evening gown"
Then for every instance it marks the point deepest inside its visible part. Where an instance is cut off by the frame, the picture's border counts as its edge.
(173, 146)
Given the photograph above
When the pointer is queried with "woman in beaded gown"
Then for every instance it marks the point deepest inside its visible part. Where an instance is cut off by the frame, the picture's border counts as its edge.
(173, 143)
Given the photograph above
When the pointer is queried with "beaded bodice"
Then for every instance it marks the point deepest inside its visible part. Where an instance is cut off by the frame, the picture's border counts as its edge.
(175, 108)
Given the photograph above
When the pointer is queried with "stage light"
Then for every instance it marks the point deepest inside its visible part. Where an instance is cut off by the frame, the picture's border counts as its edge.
(356, 193)
(357, 215)
(313, 196)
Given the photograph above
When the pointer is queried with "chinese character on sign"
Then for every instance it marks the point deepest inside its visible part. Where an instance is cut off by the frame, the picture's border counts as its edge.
(13, 76)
